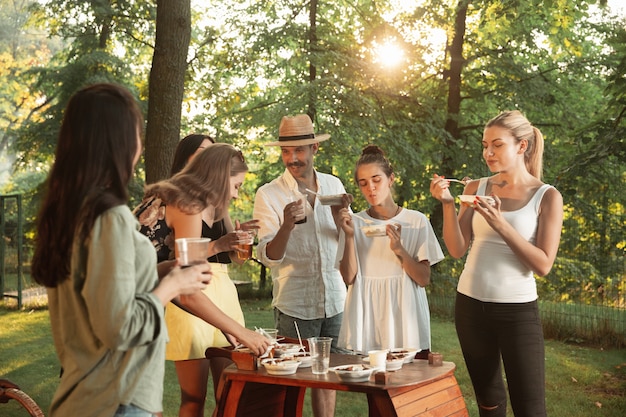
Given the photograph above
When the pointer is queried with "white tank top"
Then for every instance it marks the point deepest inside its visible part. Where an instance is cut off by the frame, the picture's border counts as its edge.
(492, 272)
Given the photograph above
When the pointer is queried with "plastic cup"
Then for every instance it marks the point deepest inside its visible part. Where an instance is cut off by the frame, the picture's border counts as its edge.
(301, 218)
(378, 359)
(245, 240)
(192, 251)
(271, 334)
(320, 354)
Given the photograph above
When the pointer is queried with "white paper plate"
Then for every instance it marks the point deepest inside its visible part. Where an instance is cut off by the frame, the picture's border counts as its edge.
(282, 349)
(469, 199)
(275, 366)
(304, 358)
(407, 353)
(354, 372)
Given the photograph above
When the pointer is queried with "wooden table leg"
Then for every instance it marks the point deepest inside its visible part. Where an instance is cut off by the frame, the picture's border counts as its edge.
(261, 400)
(380, 405)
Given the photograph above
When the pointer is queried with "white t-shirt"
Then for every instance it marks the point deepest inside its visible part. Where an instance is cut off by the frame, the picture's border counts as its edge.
(385, 308)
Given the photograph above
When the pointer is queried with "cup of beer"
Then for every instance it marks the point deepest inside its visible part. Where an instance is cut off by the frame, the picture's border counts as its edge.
(245, 240)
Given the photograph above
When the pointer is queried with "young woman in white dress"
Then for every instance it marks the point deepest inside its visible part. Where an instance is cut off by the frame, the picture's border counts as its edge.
(386, 306)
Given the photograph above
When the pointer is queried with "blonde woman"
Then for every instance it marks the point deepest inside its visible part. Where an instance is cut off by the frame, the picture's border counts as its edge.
(497, 317)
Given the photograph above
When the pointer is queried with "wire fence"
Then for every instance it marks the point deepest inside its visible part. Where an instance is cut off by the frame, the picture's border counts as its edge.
(577, 303)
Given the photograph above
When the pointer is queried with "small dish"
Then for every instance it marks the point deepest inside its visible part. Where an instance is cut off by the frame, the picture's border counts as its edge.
(469, 199)
(278, 366)
(394, 362)
(331, 200)
(407, 354)
(282, 349)
(353, 373)
(375, 230)
(304, 357)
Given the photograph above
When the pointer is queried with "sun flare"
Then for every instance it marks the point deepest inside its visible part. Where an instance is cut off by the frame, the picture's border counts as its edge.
(388, 54)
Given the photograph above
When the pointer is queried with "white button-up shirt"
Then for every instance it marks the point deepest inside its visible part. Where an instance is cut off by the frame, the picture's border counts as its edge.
(306, 283)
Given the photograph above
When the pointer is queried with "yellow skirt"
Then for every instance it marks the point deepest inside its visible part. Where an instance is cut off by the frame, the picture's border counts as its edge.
(190, 336)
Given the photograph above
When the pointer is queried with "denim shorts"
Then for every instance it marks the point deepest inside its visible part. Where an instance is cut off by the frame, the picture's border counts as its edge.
(132, 411)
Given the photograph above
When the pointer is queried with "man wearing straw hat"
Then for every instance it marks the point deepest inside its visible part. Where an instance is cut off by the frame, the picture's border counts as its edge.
(307, 288)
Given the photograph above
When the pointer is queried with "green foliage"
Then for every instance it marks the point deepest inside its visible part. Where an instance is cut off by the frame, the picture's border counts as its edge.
(560, 62)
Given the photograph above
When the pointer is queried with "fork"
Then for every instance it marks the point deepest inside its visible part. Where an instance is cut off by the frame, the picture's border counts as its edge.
(455, 180)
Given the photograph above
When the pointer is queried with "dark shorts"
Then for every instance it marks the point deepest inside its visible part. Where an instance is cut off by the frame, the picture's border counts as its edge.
(327, 327)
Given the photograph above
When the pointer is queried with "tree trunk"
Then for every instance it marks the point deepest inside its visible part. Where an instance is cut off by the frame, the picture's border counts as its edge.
(456, 67)
(454, 97)
(167, 85)
(312, 49)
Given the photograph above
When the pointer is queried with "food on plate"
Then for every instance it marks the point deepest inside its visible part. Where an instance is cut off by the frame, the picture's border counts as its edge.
(281, 349)
(407, 354)
(280, 366)
(354, 372)
(374, 230)
(469, 199)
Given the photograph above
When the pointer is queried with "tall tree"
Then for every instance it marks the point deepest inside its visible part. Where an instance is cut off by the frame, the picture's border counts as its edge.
(167, 85)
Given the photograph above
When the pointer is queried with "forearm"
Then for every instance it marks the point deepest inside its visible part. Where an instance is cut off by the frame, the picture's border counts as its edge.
(452, 234)
(347, 265)
(419, 272)
(277, 247)
(202, 307)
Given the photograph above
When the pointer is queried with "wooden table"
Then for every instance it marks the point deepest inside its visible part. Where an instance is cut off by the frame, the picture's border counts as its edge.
(418, 389)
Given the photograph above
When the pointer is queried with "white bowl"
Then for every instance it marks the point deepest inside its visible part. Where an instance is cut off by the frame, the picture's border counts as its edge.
(278, 366)
(304, 357)
(394, 364)
(282, 349)
(469, 199)
(354, 372)
(408, 354)
(374, 230)
(331, 200)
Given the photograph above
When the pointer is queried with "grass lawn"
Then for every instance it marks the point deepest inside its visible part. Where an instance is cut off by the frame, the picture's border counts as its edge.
(581, 381)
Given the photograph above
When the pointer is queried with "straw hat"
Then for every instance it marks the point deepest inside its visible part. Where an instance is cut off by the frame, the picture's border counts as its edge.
(297, 131)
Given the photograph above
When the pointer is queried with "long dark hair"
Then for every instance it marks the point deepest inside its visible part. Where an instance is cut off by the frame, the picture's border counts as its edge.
(93, 166)
(185, 148)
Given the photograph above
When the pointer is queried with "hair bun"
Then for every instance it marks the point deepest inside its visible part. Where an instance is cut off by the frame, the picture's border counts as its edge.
(372, 150)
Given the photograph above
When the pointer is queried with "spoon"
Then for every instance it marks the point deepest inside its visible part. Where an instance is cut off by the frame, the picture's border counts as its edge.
(295, 323)
(311, 191)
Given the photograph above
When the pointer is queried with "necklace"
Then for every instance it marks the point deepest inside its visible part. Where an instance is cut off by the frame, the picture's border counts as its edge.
(369, 212)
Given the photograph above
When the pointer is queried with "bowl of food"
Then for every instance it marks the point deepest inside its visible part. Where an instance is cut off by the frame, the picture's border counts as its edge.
(283, 349)
(353, 373)
(280, 366)
(394, 361)
(469, 199)
(374, 230)
(304, 358)
(407, 354)
(331, 200)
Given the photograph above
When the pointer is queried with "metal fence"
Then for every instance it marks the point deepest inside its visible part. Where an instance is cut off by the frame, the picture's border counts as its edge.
(12, 278)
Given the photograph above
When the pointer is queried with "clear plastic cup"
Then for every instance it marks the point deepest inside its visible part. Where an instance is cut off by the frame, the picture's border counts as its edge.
(320, 354)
